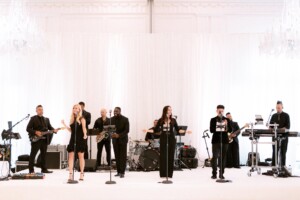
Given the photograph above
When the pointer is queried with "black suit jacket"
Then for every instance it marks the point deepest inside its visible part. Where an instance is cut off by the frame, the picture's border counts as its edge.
(39, 124)
(122, 128)
(87, 116)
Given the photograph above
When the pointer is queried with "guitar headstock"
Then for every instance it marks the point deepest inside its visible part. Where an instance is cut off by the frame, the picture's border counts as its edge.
(247, 125)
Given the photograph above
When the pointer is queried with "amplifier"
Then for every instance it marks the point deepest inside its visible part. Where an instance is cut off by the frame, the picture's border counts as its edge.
(21, 165)
(187, 152)
(190, 162)
(59, 148)
(53, 160)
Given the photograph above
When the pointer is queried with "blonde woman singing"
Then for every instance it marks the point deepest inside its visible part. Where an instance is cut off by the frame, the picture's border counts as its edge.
(77, 122)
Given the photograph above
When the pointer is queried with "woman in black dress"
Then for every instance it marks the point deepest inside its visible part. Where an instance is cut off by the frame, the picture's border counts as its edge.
(77, 122)
(166, 125)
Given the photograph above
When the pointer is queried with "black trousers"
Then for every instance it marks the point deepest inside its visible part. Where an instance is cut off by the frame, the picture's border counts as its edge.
(216, 157)
(233, 155)
(283, 150)
(106, 143)
(41, 146)
(120, 149)
(163, 155)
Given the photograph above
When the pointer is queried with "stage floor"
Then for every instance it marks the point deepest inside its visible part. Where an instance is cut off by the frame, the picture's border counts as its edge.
(194, 184)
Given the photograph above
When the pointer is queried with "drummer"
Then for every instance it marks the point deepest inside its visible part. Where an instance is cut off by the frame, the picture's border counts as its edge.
(150, 133)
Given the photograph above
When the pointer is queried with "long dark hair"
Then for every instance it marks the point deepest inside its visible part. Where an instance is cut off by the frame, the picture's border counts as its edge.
(164, 115)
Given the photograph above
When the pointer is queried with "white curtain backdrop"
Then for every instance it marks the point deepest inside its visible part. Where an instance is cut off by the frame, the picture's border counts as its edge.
(144, 72)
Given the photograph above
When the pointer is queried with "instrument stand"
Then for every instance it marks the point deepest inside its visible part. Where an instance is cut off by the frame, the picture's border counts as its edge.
(9, 135)
(220, 180)
(204, 137)
(72, 181)
(110, 131)
(167, 181)
(254, 141)
(177, 161)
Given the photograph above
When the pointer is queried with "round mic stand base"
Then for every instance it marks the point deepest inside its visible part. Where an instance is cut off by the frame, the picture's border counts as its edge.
(167, 182)
(70, 181)
(110, 182)
(223, 181)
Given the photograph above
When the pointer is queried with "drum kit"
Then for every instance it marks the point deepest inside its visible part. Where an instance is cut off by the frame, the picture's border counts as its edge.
(144, 155)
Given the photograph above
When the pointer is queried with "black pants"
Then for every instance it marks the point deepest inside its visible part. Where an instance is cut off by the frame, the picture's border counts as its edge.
(120, 149)
(233, 155)
(163, 155)
(106, 143)
(41, 146)
(283, 150)
(216, 158)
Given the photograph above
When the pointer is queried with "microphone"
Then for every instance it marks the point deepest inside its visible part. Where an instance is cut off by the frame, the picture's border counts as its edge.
(207, 135)
(175, 116)
(269, 117)
(27, 116)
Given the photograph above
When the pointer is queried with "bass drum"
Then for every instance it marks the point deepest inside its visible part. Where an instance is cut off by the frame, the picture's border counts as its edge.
(149, 160)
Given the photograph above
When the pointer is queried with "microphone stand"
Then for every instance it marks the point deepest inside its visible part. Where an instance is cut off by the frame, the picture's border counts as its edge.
(206, 147)
(9, 131)
(72, 181)
(110, 182)
(167, 181)
(220, 180)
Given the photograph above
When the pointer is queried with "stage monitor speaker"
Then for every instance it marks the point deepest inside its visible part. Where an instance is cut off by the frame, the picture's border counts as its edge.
(90, 165)
(53, 160)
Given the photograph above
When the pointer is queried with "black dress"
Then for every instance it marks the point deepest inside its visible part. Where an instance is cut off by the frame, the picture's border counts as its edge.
(80, 142)
(161, 127)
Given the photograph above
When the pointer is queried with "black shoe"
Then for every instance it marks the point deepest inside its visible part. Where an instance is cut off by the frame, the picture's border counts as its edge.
(214, 176)
(221, 177)
(122, 175)
(118, 174)
(46, 171)
(31, 172)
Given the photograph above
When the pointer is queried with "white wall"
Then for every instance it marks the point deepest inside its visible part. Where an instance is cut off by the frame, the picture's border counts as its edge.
(100, 52)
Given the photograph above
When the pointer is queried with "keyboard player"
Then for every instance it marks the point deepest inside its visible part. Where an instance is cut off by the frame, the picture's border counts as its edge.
(283, 120)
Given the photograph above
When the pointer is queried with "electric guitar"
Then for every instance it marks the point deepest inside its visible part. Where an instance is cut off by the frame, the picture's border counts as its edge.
(232, 135)
(101, 136)
(36, 138)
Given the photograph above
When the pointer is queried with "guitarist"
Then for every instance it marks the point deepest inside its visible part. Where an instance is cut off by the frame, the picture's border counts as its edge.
(36, 126)
(233, 152)
(99, 123)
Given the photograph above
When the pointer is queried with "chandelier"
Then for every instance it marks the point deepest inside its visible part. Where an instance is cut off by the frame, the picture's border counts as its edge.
(284, 37)
(19, 33)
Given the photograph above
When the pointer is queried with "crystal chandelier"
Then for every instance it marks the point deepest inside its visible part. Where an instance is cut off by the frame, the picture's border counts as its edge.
(284, 37)
(19, 32)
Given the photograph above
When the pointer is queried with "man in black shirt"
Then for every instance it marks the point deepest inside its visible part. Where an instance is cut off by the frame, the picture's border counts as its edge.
(233, 152)
(120, 140)
(87, 117)
(219, 127)
(36, 126)
(99, 123)
(151, 136)
(283, 120)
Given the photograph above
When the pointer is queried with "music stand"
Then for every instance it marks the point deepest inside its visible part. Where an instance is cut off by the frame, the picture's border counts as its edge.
(93, 132)
(180, 144)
